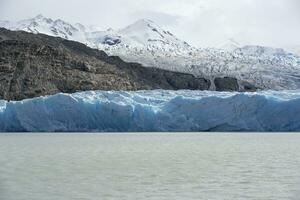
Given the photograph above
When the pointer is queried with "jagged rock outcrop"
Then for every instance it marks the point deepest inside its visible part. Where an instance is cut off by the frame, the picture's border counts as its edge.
(33, 65)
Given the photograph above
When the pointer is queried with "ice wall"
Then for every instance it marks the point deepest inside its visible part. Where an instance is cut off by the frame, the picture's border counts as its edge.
(154, 111)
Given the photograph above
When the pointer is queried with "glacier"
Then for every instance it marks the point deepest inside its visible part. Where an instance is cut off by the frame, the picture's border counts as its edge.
(150, 111)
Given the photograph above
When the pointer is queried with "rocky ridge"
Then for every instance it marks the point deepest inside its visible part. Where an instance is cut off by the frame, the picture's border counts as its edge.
(34, 65)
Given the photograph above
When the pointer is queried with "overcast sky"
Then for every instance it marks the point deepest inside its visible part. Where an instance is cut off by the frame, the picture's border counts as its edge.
(200, 22)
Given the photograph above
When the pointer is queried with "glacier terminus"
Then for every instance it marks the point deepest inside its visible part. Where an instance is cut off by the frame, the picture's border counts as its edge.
(157, 110)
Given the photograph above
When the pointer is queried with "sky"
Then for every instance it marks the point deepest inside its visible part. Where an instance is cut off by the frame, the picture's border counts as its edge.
(202, 23)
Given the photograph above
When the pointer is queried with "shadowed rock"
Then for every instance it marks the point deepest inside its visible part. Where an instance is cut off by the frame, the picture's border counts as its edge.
(226, 84)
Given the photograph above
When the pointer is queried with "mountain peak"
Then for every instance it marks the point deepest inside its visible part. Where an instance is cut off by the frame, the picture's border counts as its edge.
(145, 32)
(233, 41)
(144, 21)
(39, 16)
(229, 45)
(141, 25)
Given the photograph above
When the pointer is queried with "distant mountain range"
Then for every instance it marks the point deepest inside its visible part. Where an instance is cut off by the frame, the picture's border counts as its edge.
(149, 44)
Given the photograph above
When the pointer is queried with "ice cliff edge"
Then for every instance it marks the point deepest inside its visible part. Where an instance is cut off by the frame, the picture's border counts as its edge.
(158, 110)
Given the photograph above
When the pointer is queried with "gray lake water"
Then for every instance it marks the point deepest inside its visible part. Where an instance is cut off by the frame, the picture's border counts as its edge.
(150, 166)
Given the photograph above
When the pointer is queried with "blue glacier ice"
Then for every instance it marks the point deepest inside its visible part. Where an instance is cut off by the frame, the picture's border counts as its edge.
(158, 110)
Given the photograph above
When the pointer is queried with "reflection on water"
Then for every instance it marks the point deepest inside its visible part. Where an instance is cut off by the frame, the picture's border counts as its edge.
(150, 166)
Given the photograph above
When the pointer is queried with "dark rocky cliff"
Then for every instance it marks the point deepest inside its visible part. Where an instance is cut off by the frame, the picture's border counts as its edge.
(33, 65)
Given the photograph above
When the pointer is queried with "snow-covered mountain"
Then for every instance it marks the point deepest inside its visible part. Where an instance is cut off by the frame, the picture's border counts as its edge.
(146, 33)
(41, 24)
(142, 35)
(149, 44)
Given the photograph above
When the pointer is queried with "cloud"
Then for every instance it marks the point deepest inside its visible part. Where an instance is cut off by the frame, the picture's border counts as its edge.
(163, 19)
(268, 22)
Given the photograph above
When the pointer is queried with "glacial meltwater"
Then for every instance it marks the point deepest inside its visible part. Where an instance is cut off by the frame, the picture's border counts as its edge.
(149, 166)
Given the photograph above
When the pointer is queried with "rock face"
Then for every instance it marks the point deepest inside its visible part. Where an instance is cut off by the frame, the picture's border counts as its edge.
(226, 84)
(34, 65)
